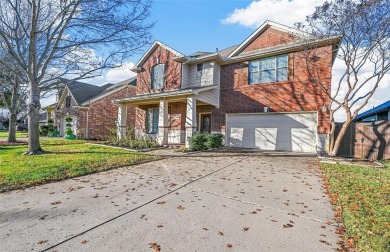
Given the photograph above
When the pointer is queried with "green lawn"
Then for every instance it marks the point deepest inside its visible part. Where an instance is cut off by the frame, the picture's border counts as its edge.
(63, 159)
(361, 197)
(4, 134)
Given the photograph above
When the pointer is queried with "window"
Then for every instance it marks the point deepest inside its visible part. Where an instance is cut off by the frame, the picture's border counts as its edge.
(67, 101)
(272, 69)
(158, 76)
(199, 70)
(152, 120)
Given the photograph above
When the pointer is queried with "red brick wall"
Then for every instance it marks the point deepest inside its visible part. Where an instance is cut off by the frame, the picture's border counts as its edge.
(296, 94)
(172, 71)
(176, 116)
(270, 37)
(102, 114)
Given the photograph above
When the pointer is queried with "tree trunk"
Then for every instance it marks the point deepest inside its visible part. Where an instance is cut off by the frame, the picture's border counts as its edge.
(34, 106)
(332, 135)
(12, 128)
(339, 138)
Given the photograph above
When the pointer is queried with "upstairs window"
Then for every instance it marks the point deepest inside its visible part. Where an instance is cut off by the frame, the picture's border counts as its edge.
(158, 76)
(152, 120)
(199, 70)
(273, 69)
(67, 101)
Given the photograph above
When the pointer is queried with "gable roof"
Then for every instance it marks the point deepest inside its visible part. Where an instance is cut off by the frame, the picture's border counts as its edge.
(260, 30)
(151, 50)
(378, 109)
(132, 82)
(82, 92)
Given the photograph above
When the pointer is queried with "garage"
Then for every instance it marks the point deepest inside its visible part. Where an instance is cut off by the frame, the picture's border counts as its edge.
(273, 131)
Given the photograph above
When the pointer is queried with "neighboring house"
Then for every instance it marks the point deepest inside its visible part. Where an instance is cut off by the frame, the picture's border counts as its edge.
(258, 94)
(91, 108)
(381, 112)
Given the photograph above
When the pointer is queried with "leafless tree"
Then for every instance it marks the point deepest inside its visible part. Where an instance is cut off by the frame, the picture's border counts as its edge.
(13, 95)
(364, 26)
(72, 38)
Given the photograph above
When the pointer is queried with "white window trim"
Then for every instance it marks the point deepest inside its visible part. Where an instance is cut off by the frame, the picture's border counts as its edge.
(260, 71)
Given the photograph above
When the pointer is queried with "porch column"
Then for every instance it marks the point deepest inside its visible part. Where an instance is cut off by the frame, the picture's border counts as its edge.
(190, 118)
(122, 117)
(48, 116)
(162, 136)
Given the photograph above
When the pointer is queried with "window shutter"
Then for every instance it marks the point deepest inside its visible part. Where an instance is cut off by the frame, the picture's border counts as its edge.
(290, 67)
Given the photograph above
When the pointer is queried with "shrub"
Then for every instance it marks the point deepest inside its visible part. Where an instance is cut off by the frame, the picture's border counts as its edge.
(44, 130)
(214, 140)
(198, 142)
(69, 119)
(68, 131)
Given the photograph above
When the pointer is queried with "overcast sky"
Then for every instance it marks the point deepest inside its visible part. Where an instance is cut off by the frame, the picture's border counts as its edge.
(205, 25)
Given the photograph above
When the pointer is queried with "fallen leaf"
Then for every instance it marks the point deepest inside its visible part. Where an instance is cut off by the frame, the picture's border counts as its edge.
(327, 243)
(220, 233)
(56, 202)
(155, 246)
(229, 245)
(288, 225)
(161, 202)
(42, 242)
(205, 229)
(180, 207)
(84, 242)
(253, 212)
(274, 220)
(245, 229)
(96, 196)
(160, 226)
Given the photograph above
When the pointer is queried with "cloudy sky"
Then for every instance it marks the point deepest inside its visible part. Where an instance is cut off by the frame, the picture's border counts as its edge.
(205, 25)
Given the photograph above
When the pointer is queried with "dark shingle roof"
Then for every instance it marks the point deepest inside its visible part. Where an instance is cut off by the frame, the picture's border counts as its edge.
(83, 92)
(378, 109)
(225, 52)
(111, 87)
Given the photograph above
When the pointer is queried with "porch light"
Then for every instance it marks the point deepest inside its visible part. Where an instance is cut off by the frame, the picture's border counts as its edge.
(324, 108)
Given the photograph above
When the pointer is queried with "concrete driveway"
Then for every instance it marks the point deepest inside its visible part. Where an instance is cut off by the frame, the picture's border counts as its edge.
(200, 202)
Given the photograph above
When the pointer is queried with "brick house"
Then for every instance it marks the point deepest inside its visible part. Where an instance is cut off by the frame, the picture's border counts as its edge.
(91, 108)
(258, 94)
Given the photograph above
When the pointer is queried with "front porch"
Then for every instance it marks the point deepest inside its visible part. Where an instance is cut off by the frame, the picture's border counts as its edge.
(170, 118)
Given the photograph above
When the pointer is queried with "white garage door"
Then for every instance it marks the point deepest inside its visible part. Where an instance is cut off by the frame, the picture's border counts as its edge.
(273, 131)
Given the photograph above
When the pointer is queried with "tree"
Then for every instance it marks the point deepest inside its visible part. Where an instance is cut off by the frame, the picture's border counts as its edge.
(13, 93)
(364, 26)
(72, 38)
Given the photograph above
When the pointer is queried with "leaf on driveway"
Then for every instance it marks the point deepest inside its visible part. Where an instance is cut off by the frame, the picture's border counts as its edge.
(229, 245)
(160, 226)
(56, 202)
(180, 207)
(161, 202)
(245, 229)
(288, 225)
(155, 246)
(84, 242)
(206, 229)
(42, 241)
(325, 242)
(95, 196)
(220, 233)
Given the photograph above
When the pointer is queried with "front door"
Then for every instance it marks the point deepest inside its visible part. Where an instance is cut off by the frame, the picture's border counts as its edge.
(205, 123)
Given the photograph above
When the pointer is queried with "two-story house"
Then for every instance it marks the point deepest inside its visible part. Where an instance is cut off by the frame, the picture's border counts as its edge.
(258, 94)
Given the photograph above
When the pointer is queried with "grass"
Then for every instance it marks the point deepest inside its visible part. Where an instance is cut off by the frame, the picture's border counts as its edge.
(361, 197)
(63, 159)
(4, 134)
